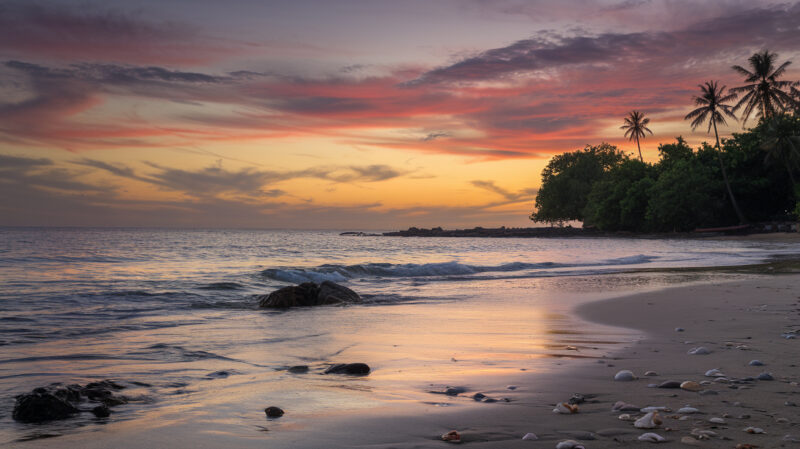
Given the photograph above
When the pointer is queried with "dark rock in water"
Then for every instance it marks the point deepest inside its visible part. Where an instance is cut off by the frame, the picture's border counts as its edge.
(359, 369)
(101, 411)
(308, 294)
(273, 412)
(577, 398)
(218, 374)
(669, 384)
(298, 369)
(454, 391)
(40, 406)
(479, 396)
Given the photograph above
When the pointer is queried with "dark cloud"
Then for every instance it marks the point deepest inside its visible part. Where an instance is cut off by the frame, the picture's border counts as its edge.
(522, 195)
(434, 136)
(113, 74)
(43, 175)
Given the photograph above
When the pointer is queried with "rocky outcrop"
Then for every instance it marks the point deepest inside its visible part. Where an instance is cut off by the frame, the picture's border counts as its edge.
(308, 294)
(61, 402)
(357, 369)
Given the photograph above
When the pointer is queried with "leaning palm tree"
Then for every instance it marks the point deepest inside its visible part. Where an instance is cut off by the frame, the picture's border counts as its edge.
(635, 126)
(763, 93)
(712, 107)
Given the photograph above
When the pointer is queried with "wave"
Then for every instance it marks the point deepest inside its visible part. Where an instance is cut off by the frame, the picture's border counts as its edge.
(343, 273)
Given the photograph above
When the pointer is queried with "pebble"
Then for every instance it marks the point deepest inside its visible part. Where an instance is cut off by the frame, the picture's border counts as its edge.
(452, 437)
(454, 391)
(648, 421)
(577, 398)
(650, 373)
(690, 441)
(688, 410)
(669, 384)
(765, 376)
(707, 392)
(701, 350)
(754, 430)
(511, 387)
(273, 412)
(624, 376)
(791, 438)
(714, 373)
(620, 406)
(690, 385)
(565, 408)
(625, 417)
(659, 408)
(717, 420)
(756, 363)
(530, 436)
(782, 421)
(478, 396)
(298, 369)
(569, 444)
(679, 329)
(651, 437)
(790, 404)
(101, 411)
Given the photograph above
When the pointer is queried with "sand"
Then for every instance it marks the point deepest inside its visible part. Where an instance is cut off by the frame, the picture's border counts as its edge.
(738, 321)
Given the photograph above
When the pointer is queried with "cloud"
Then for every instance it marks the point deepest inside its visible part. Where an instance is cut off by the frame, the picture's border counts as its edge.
(522, 195)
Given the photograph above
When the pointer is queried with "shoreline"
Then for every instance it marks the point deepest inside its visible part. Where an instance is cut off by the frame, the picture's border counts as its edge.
(768, 232)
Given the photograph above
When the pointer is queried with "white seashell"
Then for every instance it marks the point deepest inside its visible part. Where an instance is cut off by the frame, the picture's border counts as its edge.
(651, 437)
(625, 417)
(716, 420)
(624, 376)
(530, 436)
(703, 434)
(565, 408)
(714, 373)
(569, 444)
(754, 430)
(648, 421)
(688, 410)
(691, 385)
(701, 350)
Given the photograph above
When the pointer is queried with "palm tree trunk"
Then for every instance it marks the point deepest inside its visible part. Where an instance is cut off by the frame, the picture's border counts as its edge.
(640, 149)
(725, 177)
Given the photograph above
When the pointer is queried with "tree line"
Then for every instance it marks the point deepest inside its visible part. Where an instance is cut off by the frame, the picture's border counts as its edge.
(749, 177)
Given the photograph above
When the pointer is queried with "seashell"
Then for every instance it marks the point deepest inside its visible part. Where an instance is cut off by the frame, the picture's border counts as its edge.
(624, 376)
(716, 420)
(565, 408)
(651, 437)
(620, 406)
(703, 434)
(569, 444)
(648, 421)
(714, 373)
(743, 347)
(655, 409)
(669, 384)
(530, 436)
(756, 363)
(452, 437)
(765, 376)
(782, 421)
(754, 430)
(700, 350)
(705, 382)
(625, 417)
(688, 410)
(650, 373)
(691, 385)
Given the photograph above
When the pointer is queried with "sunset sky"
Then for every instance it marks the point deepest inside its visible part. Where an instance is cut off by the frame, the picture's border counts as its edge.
(342, 114)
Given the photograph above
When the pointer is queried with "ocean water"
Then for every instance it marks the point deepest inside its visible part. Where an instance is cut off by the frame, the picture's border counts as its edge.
(172, 314)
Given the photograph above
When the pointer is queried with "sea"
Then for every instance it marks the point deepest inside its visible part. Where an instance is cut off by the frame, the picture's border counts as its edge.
(172, 314)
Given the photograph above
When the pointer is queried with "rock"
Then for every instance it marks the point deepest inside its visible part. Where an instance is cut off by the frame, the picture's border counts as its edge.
(669, 384)
(654, 409)
(690, 385)
(298, 369)
(511, 387)
(218, 374)
(101, 411)
(716, 420)
(756, 363)
(308, 294)
(782, 421)
(649, 421)
(577, 398)
(565, 408)
(624, 376)
(791, 438)
(651, 438)
(702, 350)
(569, 444)
(688, 410)
(452, 391)
(754, 430)
(714, 373)
(790, 404)
(452, 437)
(530, 436)
(478, 396)
(355, 369)
(620, 406)
(625, 417)
(679, 329)
(579, 434)
(273, 412)
(650, 373)
(41, 406)
(707, 392)
(690, 441)
(765, 376)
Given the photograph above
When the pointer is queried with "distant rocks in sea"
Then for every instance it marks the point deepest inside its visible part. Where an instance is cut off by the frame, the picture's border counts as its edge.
(308, 294)
(58, 401)
(355, 369)
(273, 412)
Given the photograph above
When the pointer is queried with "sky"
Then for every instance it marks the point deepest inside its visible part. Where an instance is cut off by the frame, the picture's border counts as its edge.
(353, 115)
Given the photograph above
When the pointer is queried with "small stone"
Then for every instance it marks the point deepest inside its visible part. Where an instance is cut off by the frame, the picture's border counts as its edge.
(791, 438)
(512, 387)
(650, 373)
(790, 404)
(756, 363)
(716, 420)
(356, 369)
(690, 441)
(273, 412)
(298, 369)
(454, 391)
(669, 384)
(701, 350)
(651, 438)
(577, 398)
(714, 373)
(707, 392)
(782, 421)
(624, 376)
(530, 436)
(101, 411)
(679, 329)
(569, 444)
(452, 437)
(688, 410)
(690, 385)
(621, 406)
(765, 376)
(754, 430)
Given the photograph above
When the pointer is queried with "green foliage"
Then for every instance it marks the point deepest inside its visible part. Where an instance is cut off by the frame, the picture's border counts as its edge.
(567, 181)
(618, 201)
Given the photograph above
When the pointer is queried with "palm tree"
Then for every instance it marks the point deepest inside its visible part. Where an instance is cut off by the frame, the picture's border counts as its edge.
(782, 145)
(763, 93)
(635, 126)
(712, 107)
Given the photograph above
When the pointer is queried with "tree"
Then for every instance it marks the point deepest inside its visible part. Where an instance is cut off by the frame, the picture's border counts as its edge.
(635, 126)
(712, 107)
(764, 93)
(618, 201)
(781, 140)
(567, 180)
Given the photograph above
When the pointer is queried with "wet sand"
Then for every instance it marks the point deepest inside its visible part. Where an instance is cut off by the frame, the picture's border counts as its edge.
(738, 321)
